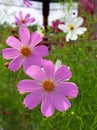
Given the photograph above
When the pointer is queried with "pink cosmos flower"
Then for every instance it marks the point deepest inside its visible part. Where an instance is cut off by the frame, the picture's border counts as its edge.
(49, 87)
(24, 21)
(27, 3)
(25, 51)
(55, 24)
(89, 7)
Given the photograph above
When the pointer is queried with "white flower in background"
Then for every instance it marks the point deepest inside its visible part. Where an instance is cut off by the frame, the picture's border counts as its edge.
(72, 27)
(58, 64)
(41, 30)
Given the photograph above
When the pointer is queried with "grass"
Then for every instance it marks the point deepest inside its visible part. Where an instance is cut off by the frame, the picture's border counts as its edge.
(80, 56)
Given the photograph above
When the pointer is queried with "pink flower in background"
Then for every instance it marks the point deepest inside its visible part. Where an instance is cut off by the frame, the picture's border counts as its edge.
(49, 87)
(24, 51)
(88, 6)
(27, 3)
(24, 21)
(55, 24)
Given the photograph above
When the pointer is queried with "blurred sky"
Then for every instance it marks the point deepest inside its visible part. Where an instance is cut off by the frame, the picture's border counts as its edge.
(9, 8)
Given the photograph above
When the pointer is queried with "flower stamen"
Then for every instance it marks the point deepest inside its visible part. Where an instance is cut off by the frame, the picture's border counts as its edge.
(71, 27)
(25, 50)
(48, 85)
(22, 21)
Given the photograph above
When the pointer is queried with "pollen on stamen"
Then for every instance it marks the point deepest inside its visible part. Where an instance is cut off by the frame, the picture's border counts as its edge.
(26, 51)
(48, 85)
(23, 21)
(71, 27)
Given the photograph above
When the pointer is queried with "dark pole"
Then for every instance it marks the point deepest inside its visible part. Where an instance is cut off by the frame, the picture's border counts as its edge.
(45, 13)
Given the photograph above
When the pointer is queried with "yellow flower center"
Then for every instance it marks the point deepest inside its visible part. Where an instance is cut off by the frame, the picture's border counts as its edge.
(48, 85)
(71, 27)
(25, 50)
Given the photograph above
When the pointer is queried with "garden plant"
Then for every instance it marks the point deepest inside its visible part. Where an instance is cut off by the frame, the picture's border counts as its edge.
(48, 78)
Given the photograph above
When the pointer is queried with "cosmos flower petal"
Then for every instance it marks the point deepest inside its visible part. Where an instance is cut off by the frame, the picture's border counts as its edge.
(28, 86)
(21, 15)
(30, 20)
(17, 20)
(33, 99)
(41, 50)
(13, 42)
(16, 63)
(60, 102)
(49, 69)
(33, 59)
(62, 73)
(68, 35)
(78, 21)
(63, 27)
(47, 107)
(24, 35)
(83, 29)
(35, 38)
(69, 89)
(35, 72)
(27, 16)
(27, 3)
(69, 19)
(80, 30)
(71, 36)
(10, 53)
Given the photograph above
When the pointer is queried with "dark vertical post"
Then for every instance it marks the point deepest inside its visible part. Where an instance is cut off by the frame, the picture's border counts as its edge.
(45, 13)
